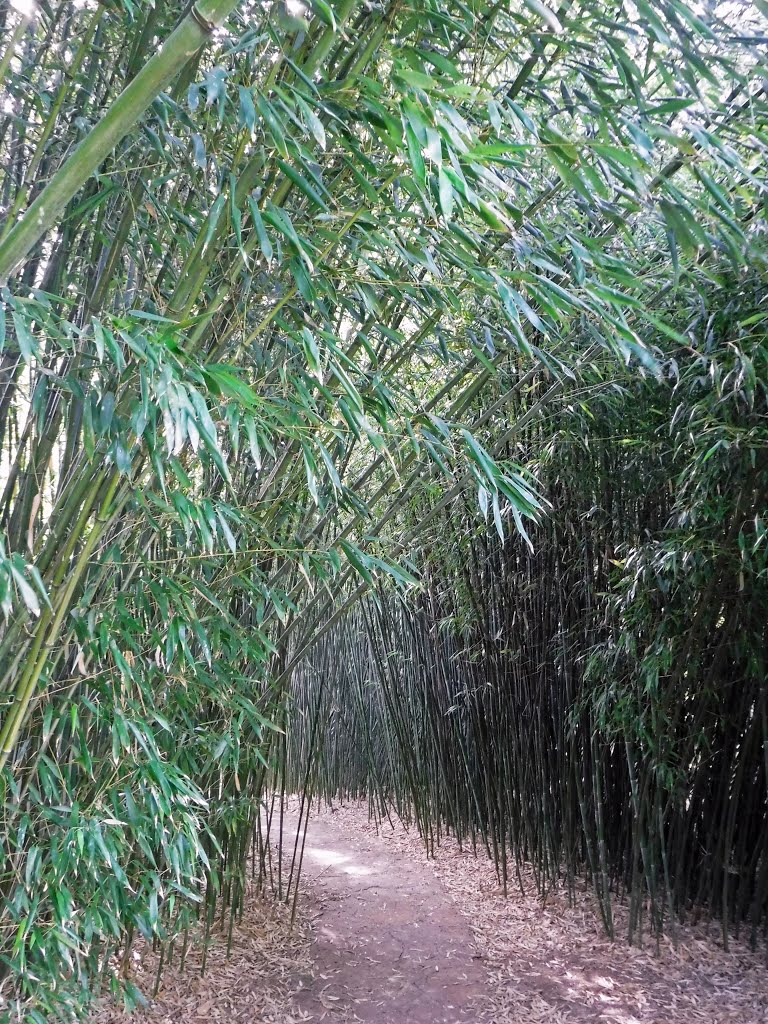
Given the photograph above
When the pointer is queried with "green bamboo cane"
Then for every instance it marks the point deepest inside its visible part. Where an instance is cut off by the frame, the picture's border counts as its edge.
(48, 629)
(195, 270)
(10, 49)
(192, 33)
(50, 123)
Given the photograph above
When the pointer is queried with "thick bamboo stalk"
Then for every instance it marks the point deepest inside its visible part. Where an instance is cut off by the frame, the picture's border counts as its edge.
(192, 33)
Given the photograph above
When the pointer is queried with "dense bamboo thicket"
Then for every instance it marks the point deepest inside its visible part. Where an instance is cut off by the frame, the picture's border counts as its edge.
(294, 296)
(593, 705)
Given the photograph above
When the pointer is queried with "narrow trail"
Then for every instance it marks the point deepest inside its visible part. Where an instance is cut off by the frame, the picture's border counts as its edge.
(389, 947)
(386, 936)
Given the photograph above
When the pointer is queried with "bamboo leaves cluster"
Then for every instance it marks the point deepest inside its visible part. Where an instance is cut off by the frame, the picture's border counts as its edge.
(294, 280)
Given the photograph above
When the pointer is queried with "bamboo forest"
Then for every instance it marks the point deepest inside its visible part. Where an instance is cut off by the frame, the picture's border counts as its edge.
(384, 511)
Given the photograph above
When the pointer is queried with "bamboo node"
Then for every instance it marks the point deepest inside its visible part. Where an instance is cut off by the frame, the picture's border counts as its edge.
(205, 25)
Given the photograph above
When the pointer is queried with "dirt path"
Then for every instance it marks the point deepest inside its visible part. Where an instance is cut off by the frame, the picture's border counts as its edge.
(385, 936)
(399, 939)
(390, 946)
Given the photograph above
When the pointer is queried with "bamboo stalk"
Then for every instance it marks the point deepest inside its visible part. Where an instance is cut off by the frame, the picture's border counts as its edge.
(193, 32)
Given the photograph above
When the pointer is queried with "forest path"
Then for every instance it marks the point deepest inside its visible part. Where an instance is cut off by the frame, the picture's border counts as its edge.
(401, 939)
(389, 946)
(386, 936)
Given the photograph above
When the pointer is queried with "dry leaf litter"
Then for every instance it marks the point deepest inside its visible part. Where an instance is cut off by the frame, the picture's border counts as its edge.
(549, 961)
(252, 985)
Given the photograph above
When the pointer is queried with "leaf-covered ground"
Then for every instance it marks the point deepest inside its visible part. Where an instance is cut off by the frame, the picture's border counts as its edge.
(387, 935)
(253, 984)
(548, 961)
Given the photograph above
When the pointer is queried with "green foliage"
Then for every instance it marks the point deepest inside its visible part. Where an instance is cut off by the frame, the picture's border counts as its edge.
(262, 326)
(598, 703)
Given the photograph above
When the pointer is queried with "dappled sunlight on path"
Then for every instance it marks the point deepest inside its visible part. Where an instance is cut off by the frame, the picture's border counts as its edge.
(338, 860)
(400, 939)
(390, 946)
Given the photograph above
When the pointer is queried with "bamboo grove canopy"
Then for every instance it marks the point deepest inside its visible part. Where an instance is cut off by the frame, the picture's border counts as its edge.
(457, 306)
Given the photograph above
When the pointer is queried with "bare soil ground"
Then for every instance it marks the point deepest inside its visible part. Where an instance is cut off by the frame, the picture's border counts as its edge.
(390, 945)
(387, 936)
